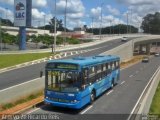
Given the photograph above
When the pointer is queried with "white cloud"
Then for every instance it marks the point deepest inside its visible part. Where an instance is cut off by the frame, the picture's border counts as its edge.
(36, 3)
(39, 17)
(9, 2)
(73, 6)
(113, 11)
(75, 23)
(95, 12)
(39, 3)
(7, 13)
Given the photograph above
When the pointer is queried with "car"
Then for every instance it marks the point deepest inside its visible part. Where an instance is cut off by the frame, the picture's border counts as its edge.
(156, 54)
(124, 39)
(145, 59)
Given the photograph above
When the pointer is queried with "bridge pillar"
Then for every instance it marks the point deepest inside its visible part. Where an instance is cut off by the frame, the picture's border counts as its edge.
(140, 49)
(148, 48)
(22, 33)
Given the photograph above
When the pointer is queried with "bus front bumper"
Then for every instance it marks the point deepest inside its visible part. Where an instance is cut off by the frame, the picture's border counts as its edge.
(76, 105)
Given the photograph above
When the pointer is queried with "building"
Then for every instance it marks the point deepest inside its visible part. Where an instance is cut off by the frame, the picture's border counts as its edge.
(30, 31)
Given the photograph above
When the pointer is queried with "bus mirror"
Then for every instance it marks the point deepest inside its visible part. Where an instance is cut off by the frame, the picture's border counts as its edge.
(41, 73)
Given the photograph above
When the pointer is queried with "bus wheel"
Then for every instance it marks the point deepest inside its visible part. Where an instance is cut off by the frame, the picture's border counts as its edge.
(92, 97)
(112, 84)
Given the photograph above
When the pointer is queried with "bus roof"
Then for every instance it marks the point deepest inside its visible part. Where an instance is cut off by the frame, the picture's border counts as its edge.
(84, 61)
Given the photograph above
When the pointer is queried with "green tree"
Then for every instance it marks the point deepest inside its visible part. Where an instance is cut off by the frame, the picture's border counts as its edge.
(151, 23)
(59, 24)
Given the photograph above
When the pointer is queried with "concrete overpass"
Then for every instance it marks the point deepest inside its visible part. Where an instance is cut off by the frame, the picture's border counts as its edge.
(147, 45)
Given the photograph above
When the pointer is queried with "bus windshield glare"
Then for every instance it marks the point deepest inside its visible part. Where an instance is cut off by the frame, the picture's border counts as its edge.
(63, 81)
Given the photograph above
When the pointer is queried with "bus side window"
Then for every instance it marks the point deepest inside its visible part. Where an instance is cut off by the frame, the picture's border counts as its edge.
(99, 72)
(117, 64)
(103, 70)
(85, 76)
(106, 72)
(113, 67)
(109, 68)
(92, 72)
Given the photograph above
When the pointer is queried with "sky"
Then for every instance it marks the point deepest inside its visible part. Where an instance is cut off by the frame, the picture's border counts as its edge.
(86, 12)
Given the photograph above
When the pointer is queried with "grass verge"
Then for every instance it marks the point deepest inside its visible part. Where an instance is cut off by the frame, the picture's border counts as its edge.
(155, 106)
(25, 101)
(14, 59)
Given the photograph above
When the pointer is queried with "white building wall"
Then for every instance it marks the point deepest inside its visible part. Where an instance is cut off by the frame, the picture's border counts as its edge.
(14, 31)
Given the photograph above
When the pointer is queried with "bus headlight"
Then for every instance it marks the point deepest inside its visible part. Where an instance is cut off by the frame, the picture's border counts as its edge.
(74, 101)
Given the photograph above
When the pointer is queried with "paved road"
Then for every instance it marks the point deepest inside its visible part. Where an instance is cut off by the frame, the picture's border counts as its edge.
(120, 101)
(17, 76)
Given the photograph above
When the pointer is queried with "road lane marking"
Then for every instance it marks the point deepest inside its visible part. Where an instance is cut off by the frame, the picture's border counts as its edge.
(109, 92)
(86, 109)
(137, 71)
(33, 111)
(122, 82)
(150, 81)
(20, 84)
(131, 76)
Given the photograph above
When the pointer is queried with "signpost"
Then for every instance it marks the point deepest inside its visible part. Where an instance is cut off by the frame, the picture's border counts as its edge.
(22, 19)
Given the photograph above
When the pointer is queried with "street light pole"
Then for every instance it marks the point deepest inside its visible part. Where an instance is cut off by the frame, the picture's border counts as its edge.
(130, 21)
(44, 23)
(110, 27)
(0, 32)
(6, 16)
(65, 19)
(55, 25)
(100, 31)
(127, 22)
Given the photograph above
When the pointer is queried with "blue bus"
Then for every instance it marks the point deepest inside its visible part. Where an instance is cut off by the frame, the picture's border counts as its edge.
(73, 83)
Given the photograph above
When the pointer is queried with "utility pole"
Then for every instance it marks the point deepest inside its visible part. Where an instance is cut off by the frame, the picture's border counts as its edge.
(92, 25)
(127, 22)
(110, 27)
(44, 23)
(65, 19)
(100, 31)
(55, 25)
(0, 31)
(6, 16)
(130, 21)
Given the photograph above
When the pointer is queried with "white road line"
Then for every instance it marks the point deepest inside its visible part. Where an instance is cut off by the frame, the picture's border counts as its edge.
(131, 76)
(122, 82)
(142, 94)
(86, 109)
(137, 72)
(33, 111)
(19, 84)
(109, 92)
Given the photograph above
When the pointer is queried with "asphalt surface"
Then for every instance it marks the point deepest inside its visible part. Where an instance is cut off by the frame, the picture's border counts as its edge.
(20, 75)
(114, 104)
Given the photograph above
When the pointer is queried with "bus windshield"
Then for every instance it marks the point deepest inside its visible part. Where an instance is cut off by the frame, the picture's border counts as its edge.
(63, 81)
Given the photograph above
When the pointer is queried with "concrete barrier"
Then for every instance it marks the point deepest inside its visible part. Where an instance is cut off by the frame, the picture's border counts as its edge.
(124, 51)
(147, 101)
